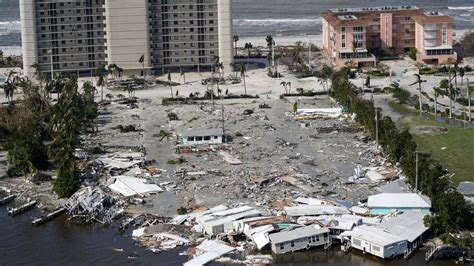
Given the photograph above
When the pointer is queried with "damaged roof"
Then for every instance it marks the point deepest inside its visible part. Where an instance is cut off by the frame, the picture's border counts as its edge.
(298, 233)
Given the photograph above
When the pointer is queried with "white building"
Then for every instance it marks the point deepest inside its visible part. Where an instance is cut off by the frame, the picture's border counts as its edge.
(202, 136)
(78, 36)
(378, 242)
(299, 238)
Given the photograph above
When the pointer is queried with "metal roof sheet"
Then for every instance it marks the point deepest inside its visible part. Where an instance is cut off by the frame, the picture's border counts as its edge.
(408, 225)
(398, 200)
(375, 235)
(299, 232)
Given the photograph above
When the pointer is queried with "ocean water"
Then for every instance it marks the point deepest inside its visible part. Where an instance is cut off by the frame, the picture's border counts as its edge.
(274, 17)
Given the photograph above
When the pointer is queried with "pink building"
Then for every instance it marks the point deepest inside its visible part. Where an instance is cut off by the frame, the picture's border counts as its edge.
(353, 35)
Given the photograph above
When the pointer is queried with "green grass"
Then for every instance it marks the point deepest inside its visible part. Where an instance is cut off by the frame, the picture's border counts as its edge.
(459, 142)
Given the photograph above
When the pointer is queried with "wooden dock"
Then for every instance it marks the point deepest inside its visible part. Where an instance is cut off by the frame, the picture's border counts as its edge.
(7, 199)
(49, 217)
(23, 208)
(444, 252)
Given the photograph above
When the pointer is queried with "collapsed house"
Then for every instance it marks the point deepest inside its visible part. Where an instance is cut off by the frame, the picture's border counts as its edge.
(222, 221)
(314, 210)
(208, 251)
(90, 204)
(299, 238)
(130, 186)
(385, 203)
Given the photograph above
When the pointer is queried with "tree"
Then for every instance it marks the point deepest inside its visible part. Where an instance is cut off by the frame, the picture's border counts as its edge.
(100, 80)
(355, 45)
(182, 74)
(120, 96)
(470, 89)
(109, 96)
(437, 92)
(419, 81)
(271, 45)
(462, 72)
(248, 46)
(242, 75)
(235, 38)
(39, 74)
(169, 84)
(448, 91)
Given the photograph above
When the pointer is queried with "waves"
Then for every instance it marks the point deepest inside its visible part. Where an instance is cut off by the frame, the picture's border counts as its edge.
(9, 27)
(468, 8)
(277, 22)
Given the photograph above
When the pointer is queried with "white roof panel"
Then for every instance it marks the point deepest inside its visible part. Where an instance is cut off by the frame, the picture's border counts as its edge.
(398, 200)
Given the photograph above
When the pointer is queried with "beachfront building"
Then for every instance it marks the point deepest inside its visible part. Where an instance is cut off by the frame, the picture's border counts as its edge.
(299, 238)
(155, 36)
(385, 203)
(202, 136)
(351, 36)
(399, 235)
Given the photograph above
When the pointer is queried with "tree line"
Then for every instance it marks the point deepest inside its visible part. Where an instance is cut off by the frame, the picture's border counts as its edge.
(40, 134)
(450, 211)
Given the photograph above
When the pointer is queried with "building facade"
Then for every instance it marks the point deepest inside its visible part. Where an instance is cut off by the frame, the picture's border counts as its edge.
(78, 36)
(354, 35)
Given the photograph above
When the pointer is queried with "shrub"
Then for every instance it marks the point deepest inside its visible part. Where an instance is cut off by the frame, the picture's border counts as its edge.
(412, 53)
(181, 211)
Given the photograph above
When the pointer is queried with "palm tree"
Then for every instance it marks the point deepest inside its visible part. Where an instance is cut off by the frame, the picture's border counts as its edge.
(235, 38)
(355, 45)
(419, 81)
(437, 92)
(271, 46)
(242, 75)
(182, 74)
(285, 86)
(39, 74)
(100, 80)
(454, 73)
(109, 96)
(289, 86)
(120, 96)
(249, 47)
(448, 91)
(169, 84)
(462, 72)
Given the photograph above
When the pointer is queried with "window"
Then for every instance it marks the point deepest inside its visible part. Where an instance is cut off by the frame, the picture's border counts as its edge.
(376, 248)
(292, 243)
(407, 18)
(343, 29)
(358, 37)
(356, 242)
(309, 239)
(282, 246)
(357, 29)
(407, 41)
(197, 138)
(445, 34)
(190, 138)
(207, 138)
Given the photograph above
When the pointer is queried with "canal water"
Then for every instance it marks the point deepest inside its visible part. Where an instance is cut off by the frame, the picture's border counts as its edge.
(62, 243)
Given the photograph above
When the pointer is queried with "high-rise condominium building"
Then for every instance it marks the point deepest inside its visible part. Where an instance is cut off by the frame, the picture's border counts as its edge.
(77, 36)
(352, 35)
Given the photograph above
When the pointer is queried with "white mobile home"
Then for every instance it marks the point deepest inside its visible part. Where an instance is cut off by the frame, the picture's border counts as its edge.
(202, 136)
(299, 238)
(378, 242)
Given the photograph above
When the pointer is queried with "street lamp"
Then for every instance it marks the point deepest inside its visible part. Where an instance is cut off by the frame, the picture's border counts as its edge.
(50, 51)
(417, 153)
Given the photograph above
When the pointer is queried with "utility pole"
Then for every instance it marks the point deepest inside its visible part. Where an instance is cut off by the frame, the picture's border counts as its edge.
(52, 66)
(309, 53)
(223, 125)
(377, 127)
(416, 178)
(469, 98)
(417, 153)
(273, 57)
